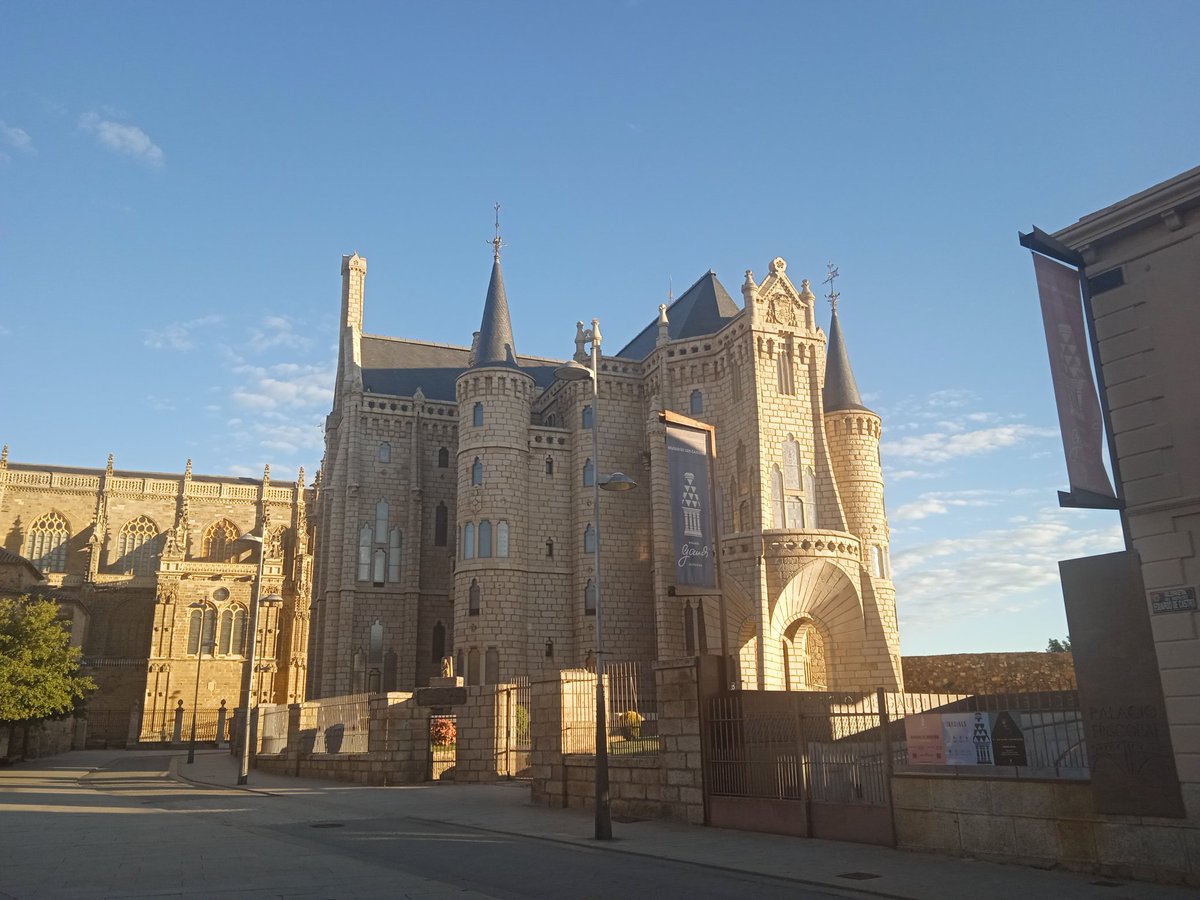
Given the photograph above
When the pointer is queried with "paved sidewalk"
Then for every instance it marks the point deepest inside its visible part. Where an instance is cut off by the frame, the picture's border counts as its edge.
(505, 808)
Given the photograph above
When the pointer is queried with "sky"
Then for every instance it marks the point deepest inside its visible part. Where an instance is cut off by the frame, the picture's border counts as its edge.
(178, 184)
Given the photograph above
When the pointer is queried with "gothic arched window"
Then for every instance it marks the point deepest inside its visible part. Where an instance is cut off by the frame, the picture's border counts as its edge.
(47, 546)
(137, 547)
(785, 380)
(219, 540)
(477, 471)
(443, 458)
(469, 541)
(791, 464)
(485, 539)
(697, 402)
(477, 415)
(742, 472)
(474, 599)
(439, 642)
(364, 553)
(395, 553)
(440, 525)
(587, 418)
(778, 519)
(589, 539)
(381, 522)
(491, 666)
(202, 631)
(589, 473)
(378, 566)
(385, 452)
(589, 598)
(502, 539)
(810, 495)
(549, 465)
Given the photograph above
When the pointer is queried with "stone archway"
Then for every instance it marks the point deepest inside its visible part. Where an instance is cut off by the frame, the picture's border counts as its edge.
(818, 626)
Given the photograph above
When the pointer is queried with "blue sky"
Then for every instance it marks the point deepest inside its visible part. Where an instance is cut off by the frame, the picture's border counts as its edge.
(178, 183)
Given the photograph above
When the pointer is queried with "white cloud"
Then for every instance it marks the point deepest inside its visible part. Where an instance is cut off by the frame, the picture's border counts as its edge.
(126, 140)
(176, 335)
(161, 404)
(953, 443)
(941, 502)
(287, 385)
(17, 138)
(276, 331)
(993, 571)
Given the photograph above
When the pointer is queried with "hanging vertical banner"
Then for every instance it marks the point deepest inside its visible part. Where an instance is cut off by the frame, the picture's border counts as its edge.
(688, 460)
(1074, 390)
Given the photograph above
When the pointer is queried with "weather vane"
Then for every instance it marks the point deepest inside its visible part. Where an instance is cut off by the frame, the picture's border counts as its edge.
(833, 295)
(497, 244)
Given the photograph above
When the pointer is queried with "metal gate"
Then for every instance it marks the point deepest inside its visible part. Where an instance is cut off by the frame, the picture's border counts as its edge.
(518, 741)
(443, 745)
(812, 764)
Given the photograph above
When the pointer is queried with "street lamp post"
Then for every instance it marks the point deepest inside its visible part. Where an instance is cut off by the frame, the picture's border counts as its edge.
(574, 371)
(191, 757)
(252, 638)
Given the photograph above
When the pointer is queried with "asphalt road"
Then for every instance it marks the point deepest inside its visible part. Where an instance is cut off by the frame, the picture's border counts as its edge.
(130, 831)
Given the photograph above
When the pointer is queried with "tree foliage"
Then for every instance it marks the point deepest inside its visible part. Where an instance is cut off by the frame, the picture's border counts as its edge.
(1054, 645)
(39, 670)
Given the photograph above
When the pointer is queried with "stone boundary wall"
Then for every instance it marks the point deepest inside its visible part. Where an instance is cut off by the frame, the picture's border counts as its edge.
(666, 785)
(398, 741)
(989, 673)
(45, 738)
(1043, 824)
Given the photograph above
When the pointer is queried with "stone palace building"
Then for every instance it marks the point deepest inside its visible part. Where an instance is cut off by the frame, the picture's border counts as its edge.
(149, 571)
(454, 503)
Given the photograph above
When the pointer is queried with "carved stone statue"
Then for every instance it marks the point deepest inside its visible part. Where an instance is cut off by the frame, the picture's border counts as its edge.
(447, 666)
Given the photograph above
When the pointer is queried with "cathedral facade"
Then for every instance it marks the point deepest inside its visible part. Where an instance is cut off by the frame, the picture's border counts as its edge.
(152, 575)
(455, 513)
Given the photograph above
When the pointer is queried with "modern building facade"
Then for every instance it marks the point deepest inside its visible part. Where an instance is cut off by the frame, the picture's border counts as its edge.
(455, 515)
(1142, 259)
(149, 570)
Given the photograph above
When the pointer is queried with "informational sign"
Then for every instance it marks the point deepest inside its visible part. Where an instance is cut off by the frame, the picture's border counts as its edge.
(688, 461)
(1169, 600)
(1071, 371)
(949, 739)
(1008, 741)
(968, 739)
(923, 733)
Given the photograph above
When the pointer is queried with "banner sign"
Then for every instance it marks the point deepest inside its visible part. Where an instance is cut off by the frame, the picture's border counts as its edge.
(1074, 390)
(961, 739)
(688, 461)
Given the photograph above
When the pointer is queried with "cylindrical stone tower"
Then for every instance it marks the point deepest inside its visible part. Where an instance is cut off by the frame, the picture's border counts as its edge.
(495, 399)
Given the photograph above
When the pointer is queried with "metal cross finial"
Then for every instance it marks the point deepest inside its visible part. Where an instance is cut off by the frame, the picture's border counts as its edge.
(833, 295)
(496, 242)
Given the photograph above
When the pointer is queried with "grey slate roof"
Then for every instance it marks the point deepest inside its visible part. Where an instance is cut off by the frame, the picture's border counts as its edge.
(8, 558)
(399, 366)
(704, 308)
(495, 347)
(841, 391)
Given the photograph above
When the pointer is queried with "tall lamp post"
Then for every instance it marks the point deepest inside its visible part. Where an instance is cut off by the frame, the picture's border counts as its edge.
(575, 371)
(252, 637)
(191, 757)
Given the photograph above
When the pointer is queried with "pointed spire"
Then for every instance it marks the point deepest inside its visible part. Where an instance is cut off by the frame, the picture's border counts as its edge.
(108, 470)
(495, 346)
(841, 391)
(4, 456)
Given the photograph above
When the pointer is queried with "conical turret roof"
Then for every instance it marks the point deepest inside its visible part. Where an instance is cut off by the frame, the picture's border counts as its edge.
(495, 347)
(841, 391)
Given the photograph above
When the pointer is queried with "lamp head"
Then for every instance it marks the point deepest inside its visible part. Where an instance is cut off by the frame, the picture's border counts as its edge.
(573, 371)
(618, 481)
